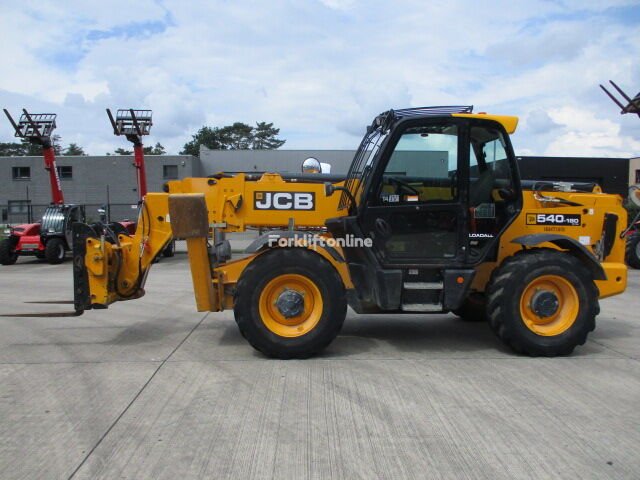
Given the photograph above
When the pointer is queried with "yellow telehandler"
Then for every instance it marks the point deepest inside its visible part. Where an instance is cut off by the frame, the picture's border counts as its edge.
(432, 217)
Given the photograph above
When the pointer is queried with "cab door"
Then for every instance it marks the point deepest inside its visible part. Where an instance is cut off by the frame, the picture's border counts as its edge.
(414, 207)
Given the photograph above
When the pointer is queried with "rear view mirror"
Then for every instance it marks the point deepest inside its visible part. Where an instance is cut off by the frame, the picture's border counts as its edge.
(329, 188)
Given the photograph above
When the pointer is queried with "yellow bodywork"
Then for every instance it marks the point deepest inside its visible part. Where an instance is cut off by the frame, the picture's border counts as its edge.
(228, 210)
(594, 207)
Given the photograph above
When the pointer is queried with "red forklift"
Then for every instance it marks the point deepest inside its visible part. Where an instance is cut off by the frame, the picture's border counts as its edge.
(134, 124)
(50, 238)
(633, 230)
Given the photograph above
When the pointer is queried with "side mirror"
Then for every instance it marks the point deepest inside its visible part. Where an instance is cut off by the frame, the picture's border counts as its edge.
(329, 188)
(634, 195)
(311, 165)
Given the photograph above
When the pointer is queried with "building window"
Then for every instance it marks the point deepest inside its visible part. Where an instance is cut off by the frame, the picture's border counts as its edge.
(637, 176)
(65, 172)
(21, 173)
(19, 206)
(170, 172)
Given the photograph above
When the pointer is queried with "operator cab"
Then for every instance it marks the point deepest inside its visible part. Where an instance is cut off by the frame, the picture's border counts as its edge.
(58, 220)
(433, 191)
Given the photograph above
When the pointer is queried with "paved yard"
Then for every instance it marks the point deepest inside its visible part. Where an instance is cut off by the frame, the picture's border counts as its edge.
(151, 389)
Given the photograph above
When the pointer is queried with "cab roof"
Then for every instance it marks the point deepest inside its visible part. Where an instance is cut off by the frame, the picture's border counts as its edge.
(384, 120)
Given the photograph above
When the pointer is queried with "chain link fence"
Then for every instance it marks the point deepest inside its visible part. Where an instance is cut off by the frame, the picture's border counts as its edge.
(19, 213)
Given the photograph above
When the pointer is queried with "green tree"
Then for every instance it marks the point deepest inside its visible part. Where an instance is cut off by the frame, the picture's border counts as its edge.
(265, 137)
(33, 149)
(207, 136)
(238, 136)
(122, 151)
(73, 149)
(12, 149)
(30, 149)
(157, 149)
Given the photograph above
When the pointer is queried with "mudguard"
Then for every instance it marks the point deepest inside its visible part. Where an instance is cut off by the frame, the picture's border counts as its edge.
(574, 247)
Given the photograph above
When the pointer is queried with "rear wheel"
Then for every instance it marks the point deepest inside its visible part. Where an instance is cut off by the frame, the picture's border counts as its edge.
(290, 303)
(633, 250)
(8, 254)
(54, 251)
(542, 302)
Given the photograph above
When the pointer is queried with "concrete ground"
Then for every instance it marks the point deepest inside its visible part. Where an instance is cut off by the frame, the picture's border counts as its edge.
(151, 389)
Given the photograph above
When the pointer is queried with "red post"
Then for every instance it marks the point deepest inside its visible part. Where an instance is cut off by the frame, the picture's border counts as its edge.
(54, 178)
(138, 155)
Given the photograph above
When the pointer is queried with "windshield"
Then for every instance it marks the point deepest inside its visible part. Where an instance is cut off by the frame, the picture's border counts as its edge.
(361, 164)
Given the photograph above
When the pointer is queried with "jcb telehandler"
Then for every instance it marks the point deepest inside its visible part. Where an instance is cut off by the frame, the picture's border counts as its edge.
(432, 217)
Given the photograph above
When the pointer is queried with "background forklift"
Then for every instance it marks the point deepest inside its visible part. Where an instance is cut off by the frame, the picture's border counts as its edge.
(134, 124)
(633, 232)
(51, 237)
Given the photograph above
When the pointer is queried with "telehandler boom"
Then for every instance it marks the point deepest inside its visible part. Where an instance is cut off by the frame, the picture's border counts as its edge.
(432, 217)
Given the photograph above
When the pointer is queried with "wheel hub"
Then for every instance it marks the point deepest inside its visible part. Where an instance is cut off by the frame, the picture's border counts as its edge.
(290, 303)
(544, 303)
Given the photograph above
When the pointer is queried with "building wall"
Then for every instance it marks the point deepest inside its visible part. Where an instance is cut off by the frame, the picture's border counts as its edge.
(612, 174)
(212, 161)
(95, 180)
(98, 179)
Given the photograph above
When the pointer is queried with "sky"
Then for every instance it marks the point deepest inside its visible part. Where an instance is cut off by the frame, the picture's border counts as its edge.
(320, 70)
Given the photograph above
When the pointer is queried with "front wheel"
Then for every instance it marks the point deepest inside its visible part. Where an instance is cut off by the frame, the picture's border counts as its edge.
(290, 303)
(54, 251)
(8, 254)
(633, 250)
(542, 302)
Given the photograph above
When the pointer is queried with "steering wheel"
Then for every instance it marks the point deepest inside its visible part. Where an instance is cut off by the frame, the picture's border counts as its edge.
(402, 184)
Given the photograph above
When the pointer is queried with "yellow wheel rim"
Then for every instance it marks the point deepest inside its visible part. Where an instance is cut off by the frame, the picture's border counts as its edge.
(297, 325)
(564, 316)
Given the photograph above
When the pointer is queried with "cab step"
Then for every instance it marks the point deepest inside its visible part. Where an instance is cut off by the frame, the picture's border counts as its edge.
(423, 285)
(421, 307)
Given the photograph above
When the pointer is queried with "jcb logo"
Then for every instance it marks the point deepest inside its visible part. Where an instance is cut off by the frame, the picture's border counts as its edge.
(284, 200)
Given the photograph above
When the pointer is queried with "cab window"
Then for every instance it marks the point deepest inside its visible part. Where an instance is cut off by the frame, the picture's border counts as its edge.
(490, 176)
(422, 167)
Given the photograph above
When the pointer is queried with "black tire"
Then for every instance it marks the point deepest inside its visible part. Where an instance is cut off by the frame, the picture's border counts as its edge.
(54, 251)
(633, 250)
(507, 286)
(474, 308)
(170, 249)
(260, 273)
(8, 254)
